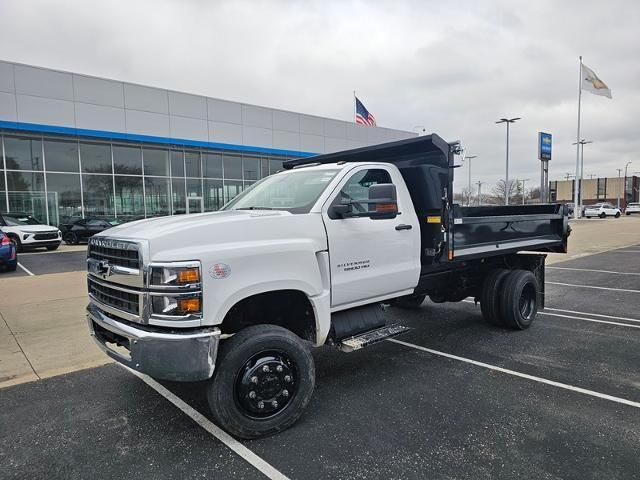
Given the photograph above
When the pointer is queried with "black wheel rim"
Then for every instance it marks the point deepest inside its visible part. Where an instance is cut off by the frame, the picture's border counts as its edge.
(266, 384)
(527, 303)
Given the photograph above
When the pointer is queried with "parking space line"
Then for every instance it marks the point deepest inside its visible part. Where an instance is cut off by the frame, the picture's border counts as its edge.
(592, 270)
(257, 462)
(593, 314)
(591, 286)
(589, 319)
(29, 272)
(553, 383)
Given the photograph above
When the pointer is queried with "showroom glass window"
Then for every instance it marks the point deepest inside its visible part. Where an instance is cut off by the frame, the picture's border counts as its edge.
(127, 160)
(212, 165)
(192, 164)
(157, 196)
(232, 166)
(177, 163)
(129, 199)
(22, 153)
(95, 157)
(98, 196)
(61, 156)
(64, 198)
(27, 194)
(156, 162)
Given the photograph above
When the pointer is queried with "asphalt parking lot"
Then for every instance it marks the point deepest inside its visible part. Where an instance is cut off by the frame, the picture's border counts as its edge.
(452, 398)
(42, 262)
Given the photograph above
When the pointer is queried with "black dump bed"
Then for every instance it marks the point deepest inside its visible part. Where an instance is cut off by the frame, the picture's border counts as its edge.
(451, 232)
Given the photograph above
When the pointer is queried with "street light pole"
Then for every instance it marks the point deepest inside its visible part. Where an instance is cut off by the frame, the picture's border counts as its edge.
(469, 193)
(624, 186)
(619, 174)
(479, 187)
(523, 180)
(508, 121)
(579, 183)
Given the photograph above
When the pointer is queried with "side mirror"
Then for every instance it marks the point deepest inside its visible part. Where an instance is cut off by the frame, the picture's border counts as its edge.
(340, 210)
(383, 201)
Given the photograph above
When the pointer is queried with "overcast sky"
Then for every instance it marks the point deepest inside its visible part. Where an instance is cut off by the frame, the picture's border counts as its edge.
(452, 67)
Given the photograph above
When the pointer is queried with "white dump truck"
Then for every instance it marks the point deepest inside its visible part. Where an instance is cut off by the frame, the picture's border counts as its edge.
(306, 258)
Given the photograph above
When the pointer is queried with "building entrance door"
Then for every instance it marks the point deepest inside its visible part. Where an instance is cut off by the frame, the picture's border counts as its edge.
(195, 205)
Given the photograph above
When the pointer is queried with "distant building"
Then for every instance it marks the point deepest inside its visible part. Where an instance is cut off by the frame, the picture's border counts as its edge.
(73, 145)
(597, 190)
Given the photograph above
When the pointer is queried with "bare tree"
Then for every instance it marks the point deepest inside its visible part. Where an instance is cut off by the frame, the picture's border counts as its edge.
(501, 187)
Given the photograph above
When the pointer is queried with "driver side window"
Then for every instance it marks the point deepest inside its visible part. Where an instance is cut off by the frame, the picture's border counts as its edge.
(357, 187)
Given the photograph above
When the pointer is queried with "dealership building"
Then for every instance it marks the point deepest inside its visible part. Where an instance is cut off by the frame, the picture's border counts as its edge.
(75, 146)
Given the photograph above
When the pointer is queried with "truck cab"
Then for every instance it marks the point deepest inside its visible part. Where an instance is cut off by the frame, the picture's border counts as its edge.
(304, 258)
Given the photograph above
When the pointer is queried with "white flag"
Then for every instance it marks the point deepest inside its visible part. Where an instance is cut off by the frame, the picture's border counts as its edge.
(593, 84)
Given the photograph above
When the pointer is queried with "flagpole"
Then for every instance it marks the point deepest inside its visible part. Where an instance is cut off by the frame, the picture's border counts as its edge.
(578, 181)
(354, 106)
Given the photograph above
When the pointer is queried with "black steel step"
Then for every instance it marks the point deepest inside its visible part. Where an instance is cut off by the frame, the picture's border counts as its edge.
(365, 339)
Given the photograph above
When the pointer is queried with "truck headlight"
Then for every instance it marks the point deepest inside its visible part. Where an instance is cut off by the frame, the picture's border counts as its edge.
(176, 306)
(180, 274)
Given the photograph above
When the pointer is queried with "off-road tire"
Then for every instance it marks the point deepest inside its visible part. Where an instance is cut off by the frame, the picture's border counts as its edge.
(223, 392)
(491, 296)
(519, 303)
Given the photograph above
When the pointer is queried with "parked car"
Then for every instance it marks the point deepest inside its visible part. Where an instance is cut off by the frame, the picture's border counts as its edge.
(632, 208)
(8, 253)
(81, 229)
(27, 232)
(602, 210)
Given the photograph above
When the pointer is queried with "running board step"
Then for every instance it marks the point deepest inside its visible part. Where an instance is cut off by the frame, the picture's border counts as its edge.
(365, 339)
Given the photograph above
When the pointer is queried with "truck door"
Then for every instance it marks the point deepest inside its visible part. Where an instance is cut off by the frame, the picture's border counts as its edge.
(371, 258)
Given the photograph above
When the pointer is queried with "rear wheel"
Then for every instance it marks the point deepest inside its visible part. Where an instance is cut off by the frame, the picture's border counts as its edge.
(410, 302)
(602, 215)
(70, 238)
(263, 381)
(12, 268)
(519, 304)
(490, 296)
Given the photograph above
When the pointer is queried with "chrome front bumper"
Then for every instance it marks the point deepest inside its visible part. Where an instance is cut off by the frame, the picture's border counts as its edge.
(185, 357)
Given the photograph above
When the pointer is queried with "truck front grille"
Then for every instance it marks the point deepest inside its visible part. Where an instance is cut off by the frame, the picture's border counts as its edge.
(114, 297)
(122, 257)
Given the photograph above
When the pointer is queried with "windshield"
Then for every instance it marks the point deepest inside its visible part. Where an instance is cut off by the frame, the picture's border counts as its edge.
(15, 220)
(295, 192)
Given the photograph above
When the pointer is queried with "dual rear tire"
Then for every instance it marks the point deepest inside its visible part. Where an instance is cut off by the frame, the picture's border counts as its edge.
(509, 298)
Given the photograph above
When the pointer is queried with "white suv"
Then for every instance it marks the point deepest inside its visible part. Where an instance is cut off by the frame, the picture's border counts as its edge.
(602, 210)
(632, 208)
(27, 232)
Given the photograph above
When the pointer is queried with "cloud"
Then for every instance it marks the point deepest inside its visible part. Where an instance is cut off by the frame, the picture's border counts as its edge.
(454, 67)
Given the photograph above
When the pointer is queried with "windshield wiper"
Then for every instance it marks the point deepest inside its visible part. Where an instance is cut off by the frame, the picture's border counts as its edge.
(254, 208)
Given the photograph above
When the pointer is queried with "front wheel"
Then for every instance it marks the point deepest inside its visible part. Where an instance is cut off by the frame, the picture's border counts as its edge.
(263, 381)
(52, 247)
(617, 214)
(603, 215)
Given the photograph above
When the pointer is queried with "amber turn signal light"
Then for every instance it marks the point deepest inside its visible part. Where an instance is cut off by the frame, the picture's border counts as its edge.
(190, 275)
(189, 305)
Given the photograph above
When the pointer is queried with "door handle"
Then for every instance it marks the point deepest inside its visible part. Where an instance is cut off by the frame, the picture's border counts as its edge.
(403, 227)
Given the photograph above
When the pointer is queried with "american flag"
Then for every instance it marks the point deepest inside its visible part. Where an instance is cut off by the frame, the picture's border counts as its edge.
(363, 116)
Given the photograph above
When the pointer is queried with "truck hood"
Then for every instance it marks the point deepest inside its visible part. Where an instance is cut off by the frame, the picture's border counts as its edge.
(183, 237)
